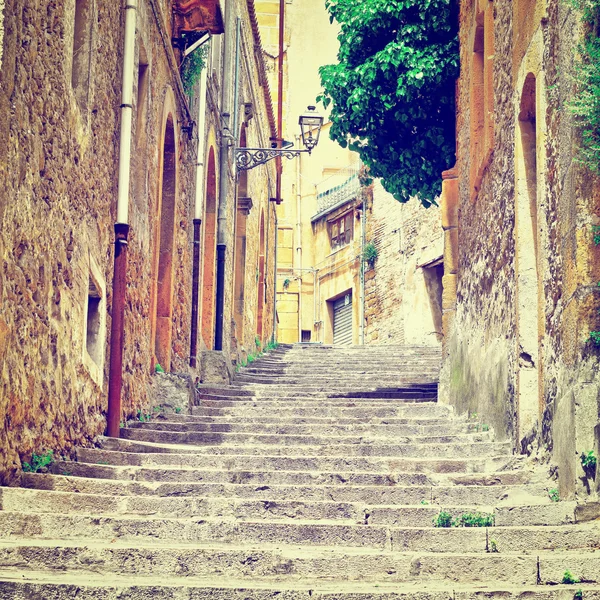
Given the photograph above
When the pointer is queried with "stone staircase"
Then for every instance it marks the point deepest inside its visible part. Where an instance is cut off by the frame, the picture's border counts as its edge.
(317, 474)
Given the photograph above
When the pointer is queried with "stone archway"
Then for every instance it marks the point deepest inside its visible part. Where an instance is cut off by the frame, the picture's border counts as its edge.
(528, 271)
(209, 252)
(163, 248)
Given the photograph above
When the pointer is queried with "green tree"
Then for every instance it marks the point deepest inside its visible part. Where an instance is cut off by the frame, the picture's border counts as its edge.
(392, 92)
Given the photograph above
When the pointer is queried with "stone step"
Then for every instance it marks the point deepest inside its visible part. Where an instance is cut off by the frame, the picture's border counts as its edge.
(414, 427)
(410, 490)
(63, 586)
(416, 515)
(324, 532)
(317, 409)
(403, 386)
(435, 434)
(401, 475)
(367, 444)
(400, 433)
(290, 458)
(294, 563)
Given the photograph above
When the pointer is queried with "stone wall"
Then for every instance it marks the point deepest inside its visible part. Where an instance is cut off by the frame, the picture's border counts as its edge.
(517, 353)
(403, 288)
(59, 127)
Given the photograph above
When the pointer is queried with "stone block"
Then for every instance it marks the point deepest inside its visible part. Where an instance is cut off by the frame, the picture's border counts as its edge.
(449, 203)
(449, 292)
(172, 391)
(451, 251)
(215, 367)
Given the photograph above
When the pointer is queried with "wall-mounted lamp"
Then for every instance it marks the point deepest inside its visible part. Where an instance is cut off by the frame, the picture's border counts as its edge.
(310, 125)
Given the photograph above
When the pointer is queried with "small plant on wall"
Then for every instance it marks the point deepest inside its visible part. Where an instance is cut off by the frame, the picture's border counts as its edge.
(585, 104)
(594, 336)
(370, 254)
(191, 68)
(286, 284)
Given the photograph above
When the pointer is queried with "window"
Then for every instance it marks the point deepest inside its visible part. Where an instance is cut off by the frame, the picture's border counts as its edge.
(92, 338)
(94, 324)
(340, 231)
(306, 335)
(142, 92)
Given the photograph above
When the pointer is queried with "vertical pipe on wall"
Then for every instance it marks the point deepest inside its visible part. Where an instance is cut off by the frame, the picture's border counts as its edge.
(363, 233)
(299, 239)
(226, 138)
(220, 304)
(280, 97)
(274, 336)
(115, 376)
(198, 205)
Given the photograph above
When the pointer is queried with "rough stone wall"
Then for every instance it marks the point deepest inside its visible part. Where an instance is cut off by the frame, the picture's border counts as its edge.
(488, 365)
(398, 308)
(58, 169)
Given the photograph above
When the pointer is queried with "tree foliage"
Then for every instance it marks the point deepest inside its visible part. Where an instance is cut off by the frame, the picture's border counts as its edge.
(392, 92)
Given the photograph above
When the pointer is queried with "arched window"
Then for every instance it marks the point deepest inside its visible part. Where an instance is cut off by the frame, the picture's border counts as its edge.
(164, 242)
(209, 253)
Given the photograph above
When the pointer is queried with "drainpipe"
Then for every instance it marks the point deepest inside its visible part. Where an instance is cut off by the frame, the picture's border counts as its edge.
(274, 336)
(363, 233)
(299, 240)
(280, 97)
(226, 138)
(115, 376)
(198, 205)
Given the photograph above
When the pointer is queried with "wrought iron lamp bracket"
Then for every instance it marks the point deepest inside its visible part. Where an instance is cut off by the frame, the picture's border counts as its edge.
(248, 158)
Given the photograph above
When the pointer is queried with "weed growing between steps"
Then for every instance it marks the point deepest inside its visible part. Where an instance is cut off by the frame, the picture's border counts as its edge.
(39, 462)
(477, 519)
(569, 578)
(252, 356)
(589, 462)
(553, 495)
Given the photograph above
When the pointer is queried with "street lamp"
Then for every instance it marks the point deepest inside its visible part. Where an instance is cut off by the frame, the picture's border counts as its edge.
(310, 126)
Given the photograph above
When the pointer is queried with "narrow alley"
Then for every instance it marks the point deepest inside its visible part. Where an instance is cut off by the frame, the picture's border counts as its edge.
(319, 473)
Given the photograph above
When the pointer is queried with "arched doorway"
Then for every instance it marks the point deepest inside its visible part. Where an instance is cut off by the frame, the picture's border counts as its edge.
(528, 297)
(208, 253)
(244, 205)
(163, 281)
(261, 280)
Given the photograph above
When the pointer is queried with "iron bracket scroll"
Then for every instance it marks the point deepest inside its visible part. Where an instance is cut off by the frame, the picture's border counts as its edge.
(248, 158)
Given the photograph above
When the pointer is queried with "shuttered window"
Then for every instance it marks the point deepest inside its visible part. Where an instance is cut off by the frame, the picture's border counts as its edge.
(342, 320)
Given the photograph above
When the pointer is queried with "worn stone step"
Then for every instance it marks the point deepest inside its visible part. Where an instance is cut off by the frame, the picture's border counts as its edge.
(295, 532)
(368, 444)
(416, 515)
(444, 434)
(380, 459)
(325, 563)
(245, 474)
(50, 586)
(410, 490)
(414, 427)
(316, 409)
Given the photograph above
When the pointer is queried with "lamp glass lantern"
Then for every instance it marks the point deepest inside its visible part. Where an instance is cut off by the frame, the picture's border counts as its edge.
(310, 125)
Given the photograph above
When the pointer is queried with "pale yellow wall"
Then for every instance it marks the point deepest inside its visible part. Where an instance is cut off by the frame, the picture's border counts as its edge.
(306, 49)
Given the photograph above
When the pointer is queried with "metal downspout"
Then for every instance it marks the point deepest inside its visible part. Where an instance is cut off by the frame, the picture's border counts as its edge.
(363, 233)
(115, 376)
(299, 239)
(198, 206)
(274, 336)
(226, 138)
